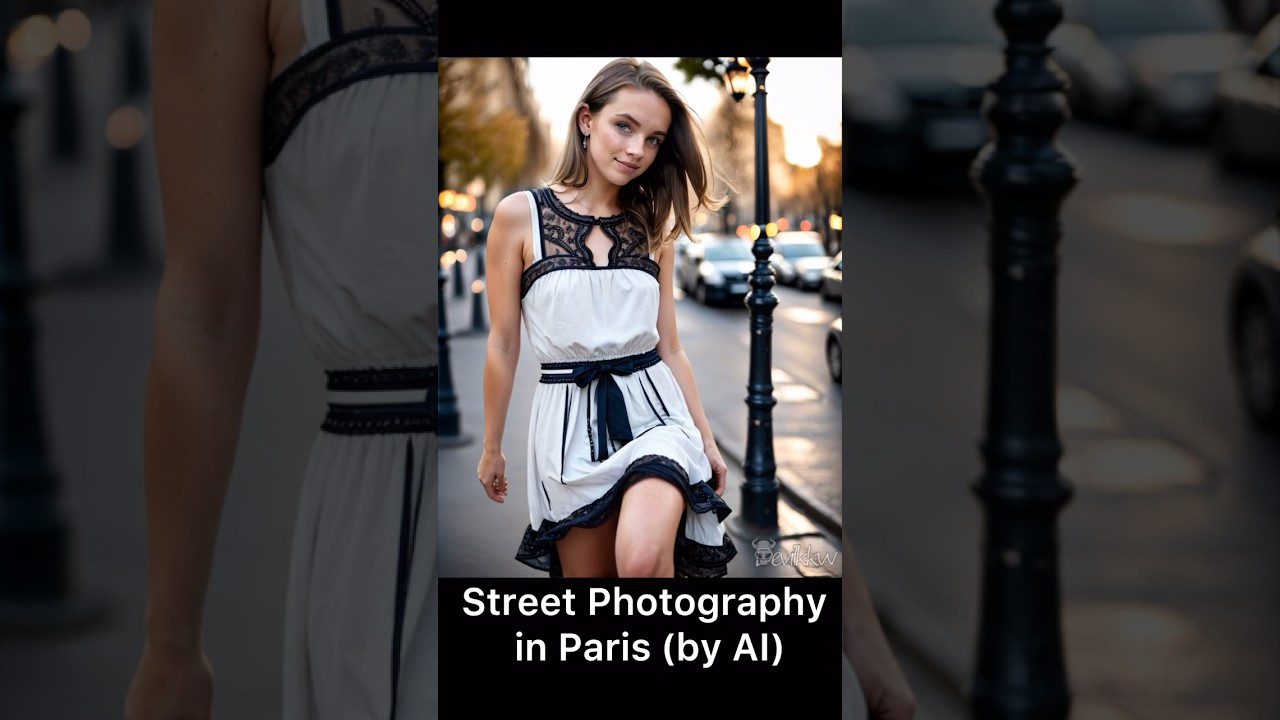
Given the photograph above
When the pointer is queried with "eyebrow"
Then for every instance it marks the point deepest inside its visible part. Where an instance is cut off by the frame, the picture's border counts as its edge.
(640, 125)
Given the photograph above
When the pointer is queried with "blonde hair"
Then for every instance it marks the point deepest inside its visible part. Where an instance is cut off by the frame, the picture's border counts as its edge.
(663, 200)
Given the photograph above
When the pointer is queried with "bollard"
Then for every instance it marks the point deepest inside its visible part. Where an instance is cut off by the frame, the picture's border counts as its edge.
(450, 422)
(478, 323)
(66, 111)
(126, 236)
(1023, 178)
(460, 257)
(134, 76)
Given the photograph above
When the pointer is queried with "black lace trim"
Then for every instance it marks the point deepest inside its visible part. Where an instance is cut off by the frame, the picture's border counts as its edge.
(564, 262)
(365, 12)
(335, 65)
(692, 559)
(408, 378)
(564, 241)
(551, 200)
(381, 420)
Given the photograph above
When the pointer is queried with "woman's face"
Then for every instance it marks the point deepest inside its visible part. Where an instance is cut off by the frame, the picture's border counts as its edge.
(625, 134)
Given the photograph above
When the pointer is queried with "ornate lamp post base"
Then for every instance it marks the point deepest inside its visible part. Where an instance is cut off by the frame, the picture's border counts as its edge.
(1023, 177)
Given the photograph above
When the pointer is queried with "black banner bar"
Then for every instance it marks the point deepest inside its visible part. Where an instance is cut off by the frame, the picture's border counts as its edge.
(752, 644)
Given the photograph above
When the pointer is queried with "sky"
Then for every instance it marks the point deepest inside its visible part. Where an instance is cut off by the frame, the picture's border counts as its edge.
(803, 96)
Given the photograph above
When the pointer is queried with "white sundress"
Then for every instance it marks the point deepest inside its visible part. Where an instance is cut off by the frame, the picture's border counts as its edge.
(607, 411)
(349, 154)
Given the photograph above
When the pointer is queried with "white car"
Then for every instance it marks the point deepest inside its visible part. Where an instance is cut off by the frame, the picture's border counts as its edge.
(801, 257)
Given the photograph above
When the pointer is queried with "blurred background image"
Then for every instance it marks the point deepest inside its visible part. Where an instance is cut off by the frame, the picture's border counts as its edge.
(1167, 327)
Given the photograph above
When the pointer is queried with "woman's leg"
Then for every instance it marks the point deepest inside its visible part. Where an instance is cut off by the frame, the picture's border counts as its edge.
(588, 552)
(646, 533)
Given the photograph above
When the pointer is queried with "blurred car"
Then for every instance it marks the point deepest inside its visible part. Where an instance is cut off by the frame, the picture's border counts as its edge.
(1255, 327)
(914, 75)
(801, 256)
(835, 355)
(833, 278)
(716, 268)
(784, 273)
(1154, 62)
(1247, 127)
(680, 247)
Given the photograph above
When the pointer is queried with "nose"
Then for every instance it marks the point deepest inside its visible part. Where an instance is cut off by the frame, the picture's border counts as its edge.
(635, 148)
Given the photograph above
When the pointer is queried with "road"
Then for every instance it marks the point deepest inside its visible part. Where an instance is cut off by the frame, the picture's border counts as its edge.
(809, 414)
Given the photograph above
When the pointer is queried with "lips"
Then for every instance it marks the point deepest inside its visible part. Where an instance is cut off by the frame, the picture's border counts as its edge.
(627, 166)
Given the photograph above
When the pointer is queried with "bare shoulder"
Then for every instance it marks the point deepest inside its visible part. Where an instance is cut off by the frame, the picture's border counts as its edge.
(513, 208)
(511, 220)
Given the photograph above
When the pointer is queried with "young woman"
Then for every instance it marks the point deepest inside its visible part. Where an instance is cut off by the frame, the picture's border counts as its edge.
(319, 117)
(624, 476)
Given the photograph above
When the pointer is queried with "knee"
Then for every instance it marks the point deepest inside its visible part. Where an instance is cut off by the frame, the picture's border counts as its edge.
(644, 559)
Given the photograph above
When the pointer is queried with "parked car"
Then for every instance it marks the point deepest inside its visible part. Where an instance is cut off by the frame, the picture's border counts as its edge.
(1247, 127)
(1154, 62)
(784, 273)
(914, 75)
(833, 278)
(1255, 327)
(835, 355)
(716, 268)
(800, 255)
(680, 247)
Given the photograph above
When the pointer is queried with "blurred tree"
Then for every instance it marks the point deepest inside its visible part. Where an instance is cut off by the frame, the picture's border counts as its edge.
(829, 175)
(486, 123)
(709, 69)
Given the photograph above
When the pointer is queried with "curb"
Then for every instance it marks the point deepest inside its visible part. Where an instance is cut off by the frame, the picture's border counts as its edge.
(788, 486)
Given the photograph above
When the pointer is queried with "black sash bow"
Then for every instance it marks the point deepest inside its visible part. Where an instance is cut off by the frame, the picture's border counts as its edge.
(612, 422)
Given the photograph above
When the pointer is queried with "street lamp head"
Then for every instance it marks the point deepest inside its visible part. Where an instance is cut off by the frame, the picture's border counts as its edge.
(736, 79)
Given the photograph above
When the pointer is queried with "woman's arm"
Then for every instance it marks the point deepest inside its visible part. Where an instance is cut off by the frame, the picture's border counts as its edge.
(672, 353)
(887, 694)
(210, 67)
(504, 263)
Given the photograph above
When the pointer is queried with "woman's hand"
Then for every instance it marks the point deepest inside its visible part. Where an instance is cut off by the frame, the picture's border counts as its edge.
(887, 694)
(492, 474)
(719, 471)
(177, 684)
(883, 683)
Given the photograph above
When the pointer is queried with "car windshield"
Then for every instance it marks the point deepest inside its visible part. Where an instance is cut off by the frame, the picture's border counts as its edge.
(901, 22)
(1144, 17)
(732, 250)
(794, 250)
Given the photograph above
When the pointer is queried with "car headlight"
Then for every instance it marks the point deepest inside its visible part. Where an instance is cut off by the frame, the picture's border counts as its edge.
(710, 274)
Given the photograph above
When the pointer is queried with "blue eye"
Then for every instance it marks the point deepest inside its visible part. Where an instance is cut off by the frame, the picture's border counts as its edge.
(623, 126)
(655, 141)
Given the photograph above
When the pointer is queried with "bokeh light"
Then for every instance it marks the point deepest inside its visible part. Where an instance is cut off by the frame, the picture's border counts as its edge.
(74, 30)
(125, 127)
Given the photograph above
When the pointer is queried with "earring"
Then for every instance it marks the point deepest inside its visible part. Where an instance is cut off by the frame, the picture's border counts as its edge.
(584, 141)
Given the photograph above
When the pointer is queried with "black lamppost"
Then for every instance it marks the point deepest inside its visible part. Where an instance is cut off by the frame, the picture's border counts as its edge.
(1023, 176)
(449, 424)
(760, 487)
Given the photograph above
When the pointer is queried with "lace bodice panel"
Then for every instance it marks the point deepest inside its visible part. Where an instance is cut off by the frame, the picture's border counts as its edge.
(563, 241)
